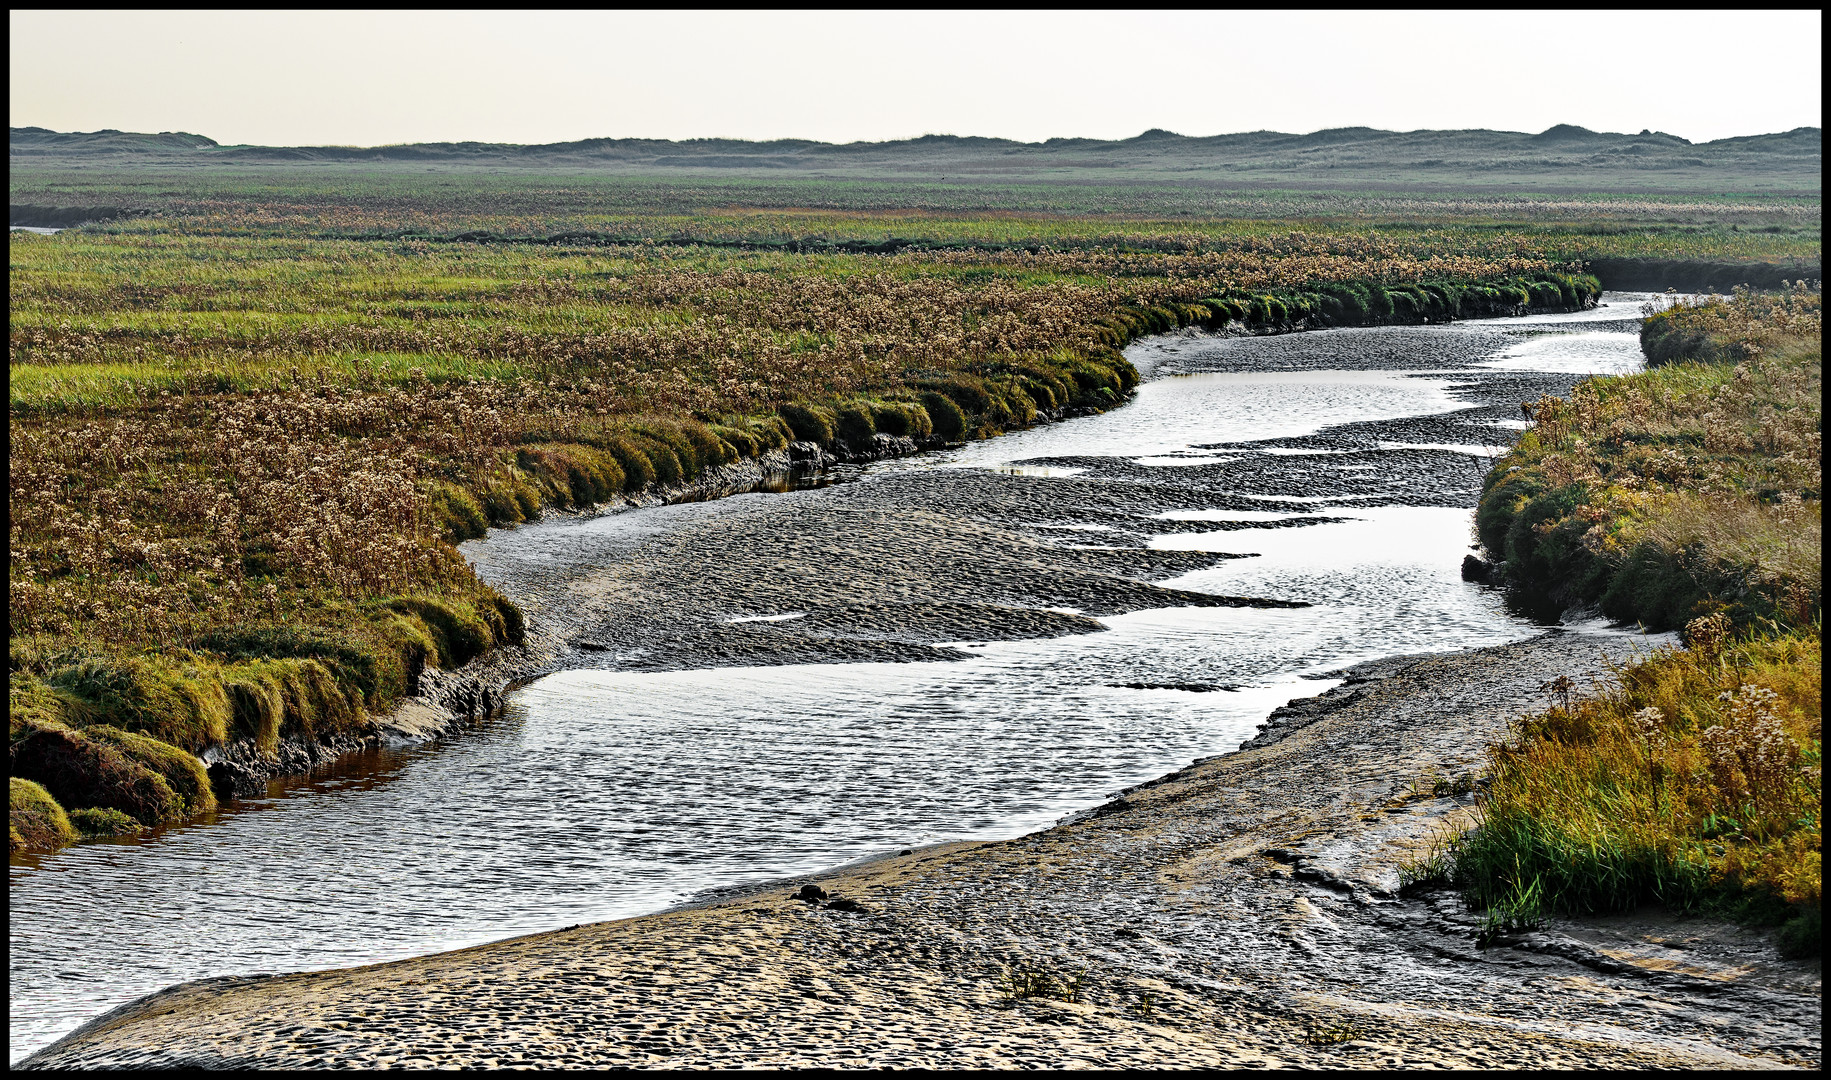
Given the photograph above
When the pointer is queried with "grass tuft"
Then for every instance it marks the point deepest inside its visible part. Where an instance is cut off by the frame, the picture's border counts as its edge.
(1695, 780)
(92, 821)
(37, 822)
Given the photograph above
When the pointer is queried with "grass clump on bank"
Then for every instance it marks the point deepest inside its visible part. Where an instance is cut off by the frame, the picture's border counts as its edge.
(35, 819)
(1691, 488)
(1695, 781)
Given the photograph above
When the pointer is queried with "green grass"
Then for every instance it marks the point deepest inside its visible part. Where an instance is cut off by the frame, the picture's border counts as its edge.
(1694, 780)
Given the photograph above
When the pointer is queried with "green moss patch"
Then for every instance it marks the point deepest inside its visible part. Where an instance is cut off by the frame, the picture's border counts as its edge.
(93, 821)
(37, 822)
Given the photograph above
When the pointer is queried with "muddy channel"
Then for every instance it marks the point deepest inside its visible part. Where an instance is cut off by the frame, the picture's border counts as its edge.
(965, 645)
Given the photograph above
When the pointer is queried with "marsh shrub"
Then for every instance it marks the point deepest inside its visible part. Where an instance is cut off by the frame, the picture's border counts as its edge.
(459, 635)
(457, 512)
(1039, 393)
(501, 507)
(353, 660)
(968, 392)
(1694, 780)
(743, 442)
(171, 705)
(855, 424)
(1688, 495)
(772, 432)
(809, 423)
(1735, 328)
(917, 421)
(77, 771)
(37, 822)
(948, 421)
(182, 771)
(95, 821)
(638, 470)
(663, 462)
(891, 419)
(1659, 495)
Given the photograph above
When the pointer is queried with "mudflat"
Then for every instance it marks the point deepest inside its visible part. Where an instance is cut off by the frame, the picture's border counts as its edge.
(1245, 910)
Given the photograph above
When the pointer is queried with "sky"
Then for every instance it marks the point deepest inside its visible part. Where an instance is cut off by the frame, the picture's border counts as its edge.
(374, 78)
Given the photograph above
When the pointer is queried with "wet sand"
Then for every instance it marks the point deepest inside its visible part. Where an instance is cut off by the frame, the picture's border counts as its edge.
(1244, 911)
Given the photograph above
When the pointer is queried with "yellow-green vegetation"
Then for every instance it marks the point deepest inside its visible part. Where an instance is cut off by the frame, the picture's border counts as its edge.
(1690, 494)
(35, 819)
(1694, 781)
(1742, 326)
(246, 431)
(1020, 983)
(1693, 487)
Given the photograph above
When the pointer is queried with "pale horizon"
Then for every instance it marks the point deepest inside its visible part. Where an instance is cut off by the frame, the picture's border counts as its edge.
(387, 78)
(854, 142)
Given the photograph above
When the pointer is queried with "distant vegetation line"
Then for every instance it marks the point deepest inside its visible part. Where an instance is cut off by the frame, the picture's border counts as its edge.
(1564, 146)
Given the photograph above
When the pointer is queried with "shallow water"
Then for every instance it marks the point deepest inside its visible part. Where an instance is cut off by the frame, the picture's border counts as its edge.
(604, 793)
(1171, 415)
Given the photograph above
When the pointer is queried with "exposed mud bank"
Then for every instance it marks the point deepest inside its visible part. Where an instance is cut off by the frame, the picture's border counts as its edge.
(1245, 910)
(449, 701)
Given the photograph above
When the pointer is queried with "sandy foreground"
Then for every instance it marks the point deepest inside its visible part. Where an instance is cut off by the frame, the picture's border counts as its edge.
(1243, 911)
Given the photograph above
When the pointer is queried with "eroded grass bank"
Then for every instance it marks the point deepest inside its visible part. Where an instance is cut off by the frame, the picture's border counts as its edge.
(239, 466)
(1693, 487)
(1689, 495)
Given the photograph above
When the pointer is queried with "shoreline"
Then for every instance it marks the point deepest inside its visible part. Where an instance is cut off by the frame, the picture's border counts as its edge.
(1248, 908)
(505, 667)
(446, 702)
(476, 690)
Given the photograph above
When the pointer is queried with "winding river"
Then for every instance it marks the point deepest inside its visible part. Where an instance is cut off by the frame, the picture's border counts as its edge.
(1336, 469)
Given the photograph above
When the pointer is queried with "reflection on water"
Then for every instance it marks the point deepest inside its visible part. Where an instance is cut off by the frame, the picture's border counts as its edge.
(1589, 353)
(1178, 412)
(605, 794)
